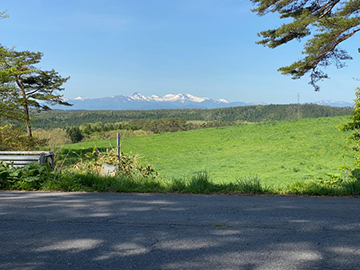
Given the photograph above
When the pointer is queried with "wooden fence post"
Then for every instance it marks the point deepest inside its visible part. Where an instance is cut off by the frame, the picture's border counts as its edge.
(118, 149)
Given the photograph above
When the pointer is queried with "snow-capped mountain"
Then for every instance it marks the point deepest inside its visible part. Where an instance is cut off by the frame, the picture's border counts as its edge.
(138, 101)
(333, 103)
(167, 98)
(171, 98)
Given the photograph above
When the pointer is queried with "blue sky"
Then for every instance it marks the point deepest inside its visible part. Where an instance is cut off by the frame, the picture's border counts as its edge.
(202, 47)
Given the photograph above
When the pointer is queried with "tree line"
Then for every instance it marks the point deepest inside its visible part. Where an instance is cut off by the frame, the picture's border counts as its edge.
(60, 119)
(157, 126)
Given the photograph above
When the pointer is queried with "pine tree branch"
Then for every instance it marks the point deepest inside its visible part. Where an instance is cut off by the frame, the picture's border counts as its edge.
(325, 9)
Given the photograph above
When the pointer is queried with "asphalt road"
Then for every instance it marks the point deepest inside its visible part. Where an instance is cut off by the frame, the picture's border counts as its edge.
(159, 231)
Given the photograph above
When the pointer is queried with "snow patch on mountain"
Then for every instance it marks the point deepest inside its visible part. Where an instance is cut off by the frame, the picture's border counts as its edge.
(138, 101)
(223, 100)
(81, 98)
(139, 96)
(333, 103)
(172, 98)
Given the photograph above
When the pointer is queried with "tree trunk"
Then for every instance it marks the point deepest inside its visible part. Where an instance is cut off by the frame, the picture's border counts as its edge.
(26, 107)
(27, 120)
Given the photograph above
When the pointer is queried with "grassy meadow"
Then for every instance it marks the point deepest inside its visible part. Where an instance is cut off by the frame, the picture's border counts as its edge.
(278, 153)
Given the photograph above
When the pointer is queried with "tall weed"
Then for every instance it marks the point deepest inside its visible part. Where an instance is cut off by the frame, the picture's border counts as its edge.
(128, 165)
(323, 188)
(251, 185)
(200, 183)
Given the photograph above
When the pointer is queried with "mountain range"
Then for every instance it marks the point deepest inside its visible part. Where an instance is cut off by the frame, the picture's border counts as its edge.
(137, 101)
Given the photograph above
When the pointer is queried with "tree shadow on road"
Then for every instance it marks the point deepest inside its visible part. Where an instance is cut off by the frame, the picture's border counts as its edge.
(151, 231)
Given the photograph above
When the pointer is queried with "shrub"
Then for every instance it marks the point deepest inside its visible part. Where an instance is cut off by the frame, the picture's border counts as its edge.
(30, 177)
(52, 137)
(12, 138)
(129, 165)
(331, 186)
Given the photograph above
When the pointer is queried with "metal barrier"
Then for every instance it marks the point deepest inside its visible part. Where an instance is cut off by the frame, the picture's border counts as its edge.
(22, 158)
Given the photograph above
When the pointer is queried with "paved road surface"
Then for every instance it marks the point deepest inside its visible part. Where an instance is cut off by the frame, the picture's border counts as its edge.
(152, 231)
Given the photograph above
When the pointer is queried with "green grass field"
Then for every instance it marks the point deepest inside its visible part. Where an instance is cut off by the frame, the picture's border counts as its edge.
(279, 153)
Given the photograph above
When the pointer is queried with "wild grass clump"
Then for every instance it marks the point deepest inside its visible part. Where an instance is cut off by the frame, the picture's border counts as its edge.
(176, 185)
(252, 185)
(129, 165)
(93, 182)
(201, 184)
(342, 187)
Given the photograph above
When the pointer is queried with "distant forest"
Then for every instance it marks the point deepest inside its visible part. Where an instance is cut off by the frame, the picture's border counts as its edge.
(258, 113)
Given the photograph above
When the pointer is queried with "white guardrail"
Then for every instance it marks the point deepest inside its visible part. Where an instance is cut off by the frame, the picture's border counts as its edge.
(22, 158)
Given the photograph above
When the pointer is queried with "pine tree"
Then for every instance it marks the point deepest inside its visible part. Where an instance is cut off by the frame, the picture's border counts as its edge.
(23, 86)
(326, 23)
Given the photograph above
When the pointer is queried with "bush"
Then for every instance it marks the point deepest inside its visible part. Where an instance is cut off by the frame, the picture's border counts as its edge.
(52, 137)
(129, 165)
(30, 177)
(12, 139)
(325, 187)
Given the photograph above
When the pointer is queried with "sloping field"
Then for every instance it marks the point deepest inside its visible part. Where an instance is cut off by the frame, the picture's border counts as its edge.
(278, 153)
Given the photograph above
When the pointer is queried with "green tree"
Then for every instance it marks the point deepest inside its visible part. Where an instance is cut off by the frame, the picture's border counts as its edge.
(12, 139)
(354, 126)
(75, 134)
(325, 24)
(8, 110)
(23, 86)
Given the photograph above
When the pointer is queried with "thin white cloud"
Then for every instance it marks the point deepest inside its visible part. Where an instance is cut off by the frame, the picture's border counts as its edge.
(100, 22)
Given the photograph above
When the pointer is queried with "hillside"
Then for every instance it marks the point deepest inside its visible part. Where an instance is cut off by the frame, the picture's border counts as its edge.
(279, 152)
(258, 113)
